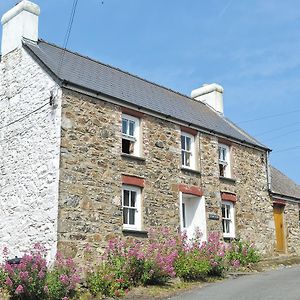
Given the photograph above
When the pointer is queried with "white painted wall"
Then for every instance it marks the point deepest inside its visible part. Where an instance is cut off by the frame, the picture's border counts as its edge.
(29, 155)
(211, 94)
(19, 22)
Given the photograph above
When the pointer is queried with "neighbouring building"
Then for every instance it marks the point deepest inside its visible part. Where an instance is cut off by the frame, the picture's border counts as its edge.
(285, 195)
(89, 152)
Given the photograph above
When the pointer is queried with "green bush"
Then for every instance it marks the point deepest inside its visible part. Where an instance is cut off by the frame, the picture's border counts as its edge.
(189, 265)
(242, 253)
(108, 281)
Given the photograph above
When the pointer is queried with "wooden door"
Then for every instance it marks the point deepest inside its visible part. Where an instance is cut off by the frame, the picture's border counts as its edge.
(279, 228)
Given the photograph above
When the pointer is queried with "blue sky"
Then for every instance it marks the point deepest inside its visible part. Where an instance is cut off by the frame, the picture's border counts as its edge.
(249, 47)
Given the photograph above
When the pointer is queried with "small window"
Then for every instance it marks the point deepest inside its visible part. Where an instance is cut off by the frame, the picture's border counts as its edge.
(187, 150)
(228, 219)
(224, 161)
(130, 135)
(131, 203)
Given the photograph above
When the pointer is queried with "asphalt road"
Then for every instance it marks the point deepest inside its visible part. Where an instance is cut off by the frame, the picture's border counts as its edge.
(282, 284)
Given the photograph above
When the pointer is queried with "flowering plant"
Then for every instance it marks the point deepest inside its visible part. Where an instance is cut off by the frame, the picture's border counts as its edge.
(26, 279)
(30, 279)
(62, 279)
(242, 253)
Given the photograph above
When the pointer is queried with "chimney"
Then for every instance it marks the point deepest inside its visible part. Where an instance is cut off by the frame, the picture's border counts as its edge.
(19, 22)
(211, 94)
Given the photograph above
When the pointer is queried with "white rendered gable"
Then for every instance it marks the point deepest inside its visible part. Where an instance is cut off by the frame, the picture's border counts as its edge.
(29, 151)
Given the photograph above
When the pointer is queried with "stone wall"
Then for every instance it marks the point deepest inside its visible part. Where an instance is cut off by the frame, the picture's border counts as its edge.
(92, 166)
(29, 148)
(292, 227)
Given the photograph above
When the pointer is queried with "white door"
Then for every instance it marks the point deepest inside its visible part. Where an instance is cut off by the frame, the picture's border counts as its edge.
(193, 215)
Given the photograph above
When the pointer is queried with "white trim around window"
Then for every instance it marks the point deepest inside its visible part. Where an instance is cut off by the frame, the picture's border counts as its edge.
(228, 222)
(130, 135)
(131, 207)
(188, 153)
(224, 160)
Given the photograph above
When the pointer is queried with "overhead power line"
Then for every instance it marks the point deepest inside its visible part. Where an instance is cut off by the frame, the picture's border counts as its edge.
(25, 116)
(269, 116)
(286, 149)
(276, 129)
(67, 36)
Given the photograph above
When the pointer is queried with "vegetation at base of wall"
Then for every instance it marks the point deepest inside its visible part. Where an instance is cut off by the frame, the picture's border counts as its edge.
(242, 253)
(31, 279)
(126, 263)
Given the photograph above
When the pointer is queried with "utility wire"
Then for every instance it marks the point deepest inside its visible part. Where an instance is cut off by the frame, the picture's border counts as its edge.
(67, 36)
(269, 116)
(286, 149)
(276, 129)
(282, 135)
(25, 116)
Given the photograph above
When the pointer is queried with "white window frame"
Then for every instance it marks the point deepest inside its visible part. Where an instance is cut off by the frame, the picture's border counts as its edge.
(192, 151)
(226, 161)
(138, 210)
(230, 219)
(135, 138)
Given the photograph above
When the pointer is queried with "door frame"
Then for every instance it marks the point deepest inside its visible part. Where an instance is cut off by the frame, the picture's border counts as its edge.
(202, 216)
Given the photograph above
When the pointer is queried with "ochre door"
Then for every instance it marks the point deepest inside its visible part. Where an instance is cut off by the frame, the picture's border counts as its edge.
(278, 219)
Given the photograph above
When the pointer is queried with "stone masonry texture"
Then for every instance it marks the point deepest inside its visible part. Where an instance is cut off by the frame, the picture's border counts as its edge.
(91, 163)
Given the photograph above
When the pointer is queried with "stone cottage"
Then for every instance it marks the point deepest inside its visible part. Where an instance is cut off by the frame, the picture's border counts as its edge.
(89, 152)
(285, 195)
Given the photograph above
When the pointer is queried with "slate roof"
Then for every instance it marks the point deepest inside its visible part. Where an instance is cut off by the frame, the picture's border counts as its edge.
(95, 76)
(282, 185)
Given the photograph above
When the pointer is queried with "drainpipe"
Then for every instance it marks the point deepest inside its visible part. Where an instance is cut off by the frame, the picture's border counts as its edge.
(268, 171)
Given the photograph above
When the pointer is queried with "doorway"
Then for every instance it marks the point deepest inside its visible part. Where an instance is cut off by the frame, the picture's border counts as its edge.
(192, 215)
(279, 227)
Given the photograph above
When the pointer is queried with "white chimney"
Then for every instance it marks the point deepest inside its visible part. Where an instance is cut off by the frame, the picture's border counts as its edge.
(21, 21)
(211, 94)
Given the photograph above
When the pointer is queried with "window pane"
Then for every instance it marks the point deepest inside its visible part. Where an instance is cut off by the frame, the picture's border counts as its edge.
(222, 170)
(188, 159)
(188, 143)
(125, 215)
(131, 216)
(124, 126)
(223, 211)
(182, 158)
(126, 198)
(131, 128)
(227, 211)
(183, 215)
(183, 142)
(224, 154)
(227, 226)
(133, 199)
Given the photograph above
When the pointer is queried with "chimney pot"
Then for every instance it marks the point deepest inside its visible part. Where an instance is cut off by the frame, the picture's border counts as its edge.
(211, 94)
(18, 23)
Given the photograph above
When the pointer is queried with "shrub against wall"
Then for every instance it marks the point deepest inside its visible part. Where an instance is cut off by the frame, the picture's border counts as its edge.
(125, 263)
(30, 279)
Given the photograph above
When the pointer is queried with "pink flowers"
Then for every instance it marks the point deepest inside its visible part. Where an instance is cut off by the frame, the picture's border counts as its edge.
(19, 289)
(31, 279)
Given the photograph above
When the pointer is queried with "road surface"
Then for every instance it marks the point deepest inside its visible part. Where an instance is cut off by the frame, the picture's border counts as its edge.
(282, 284)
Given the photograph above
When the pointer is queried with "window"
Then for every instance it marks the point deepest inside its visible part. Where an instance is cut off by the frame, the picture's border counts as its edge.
(224, 161)
(228, 219)
(130, 135)
(187, 150)
(131, 203)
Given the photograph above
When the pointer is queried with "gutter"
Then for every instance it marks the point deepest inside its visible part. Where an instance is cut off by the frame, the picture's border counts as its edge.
(92, 93)
(77, 88)
(284, 197)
